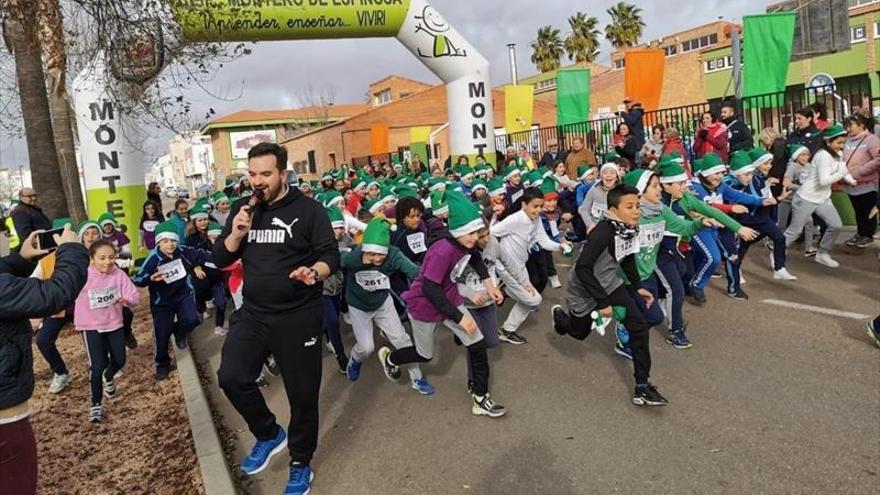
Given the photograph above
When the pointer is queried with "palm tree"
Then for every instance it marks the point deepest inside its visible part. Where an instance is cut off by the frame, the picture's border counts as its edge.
(582, 45)
(626, 25)
(21, 36)
(55, 66)
(547, 49)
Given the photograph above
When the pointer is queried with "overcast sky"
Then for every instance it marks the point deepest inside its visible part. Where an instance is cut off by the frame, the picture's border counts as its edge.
(276, 74)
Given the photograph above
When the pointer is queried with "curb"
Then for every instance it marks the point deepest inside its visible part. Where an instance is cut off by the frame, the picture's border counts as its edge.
(212, 464)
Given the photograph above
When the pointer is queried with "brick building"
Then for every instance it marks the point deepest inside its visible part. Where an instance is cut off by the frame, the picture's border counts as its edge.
(321, 149)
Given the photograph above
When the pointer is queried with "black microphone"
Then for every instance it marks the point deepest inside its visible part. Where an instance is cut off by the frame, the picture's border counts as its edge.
(255, 198)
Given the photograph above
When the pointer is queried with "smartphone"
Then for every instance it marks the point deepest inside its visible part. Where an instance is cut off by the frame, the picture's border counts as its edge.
(46, 240)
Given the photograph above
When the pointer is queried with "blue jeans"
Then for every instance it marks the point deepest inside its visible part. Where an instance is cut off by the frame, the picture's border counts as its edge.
(765, 228)
(165, 324)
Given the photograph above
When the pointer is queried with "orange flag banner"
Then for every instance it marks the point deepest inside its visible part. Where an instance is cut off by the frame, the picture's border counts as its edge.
(379, 141)
(644, 77)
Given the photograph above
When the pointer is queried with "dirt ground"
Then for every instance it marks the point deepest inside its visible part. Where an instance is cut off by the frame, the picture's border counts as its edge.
(144, 444)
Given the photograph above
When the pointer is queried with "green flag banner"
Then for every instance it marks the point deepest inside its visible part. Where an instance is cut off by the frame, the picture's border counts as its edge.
(572, 96)
(767, 40)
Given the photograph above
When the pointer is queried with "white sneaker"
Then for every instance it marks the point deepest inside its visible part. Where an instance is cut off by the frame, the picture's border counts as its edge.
(59, 382)
(209, 304)
(782, 274)
(772, 262)
(205, 316)
(346, 318)
(742, 279)
(554, 281)
(827, 260)
(220, 331)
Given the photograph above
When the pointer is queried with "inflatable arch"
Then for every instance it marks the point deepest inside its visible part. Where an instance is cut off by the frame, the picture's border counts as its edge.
(415, 23)
(110, 153)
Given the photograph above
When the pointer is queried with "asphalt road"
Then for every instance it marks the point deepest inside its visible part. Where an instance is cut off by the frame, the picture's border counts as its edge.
(769, 400)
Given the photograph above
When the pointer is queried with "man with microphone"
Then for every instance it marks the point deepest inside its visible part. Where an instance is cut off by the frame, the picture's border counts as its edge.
(287, 248)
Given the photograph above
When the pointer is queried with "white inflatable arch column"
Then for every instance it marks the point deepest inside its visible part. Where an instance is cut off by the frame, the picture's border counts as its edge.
(414, 22)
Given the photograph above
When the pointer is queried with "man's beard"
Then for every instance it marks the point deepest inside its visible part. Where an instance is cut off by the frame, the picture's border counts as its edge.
(273, 193)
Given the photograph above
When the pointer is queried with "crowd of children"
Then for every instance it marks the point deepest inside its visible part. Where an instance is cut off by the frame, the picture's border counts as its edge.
(422, 252)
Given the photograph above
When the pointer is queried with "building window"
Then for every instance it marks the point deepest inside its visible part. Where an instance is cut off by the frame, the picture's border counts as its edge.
(716, 64)
(730, 60)
(546, 83)
(670, 50)
(856, 3)
(857, 34)
(701, 42)
(619, 64)
(383, 97)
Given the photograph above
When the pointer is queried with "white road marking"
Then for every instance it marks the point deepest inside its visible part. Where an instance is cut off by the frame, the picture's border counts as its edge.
(816, 309)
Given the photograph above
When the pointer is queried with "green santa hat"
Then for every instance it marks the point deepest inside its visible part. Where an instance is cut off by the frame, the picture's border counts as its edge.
(479, 184)
(452, 185)
(481, 170)
(548, 189)
(741, 163)
(86, 225)
(59, 223)
(533, 179)
(332, 198)
(710, 164)
(833, 131)
(437, 184)
(377, 236)
(360, 185)
(405, 191)
(373, 205)
(327, 176)
(759, 156)
(337, 221)
(610, 157)
(640, 178)
(167, 230)
(199, 210)
(671, 172)
(439, 205)
(545, 172)
(583, 171)
(794, 150)
(106, 218)
(219, 197)
(509, 172)
(465, 171)
(464, 216)
(497, 187)
(385, 194)
(675, 156)
(215, 229)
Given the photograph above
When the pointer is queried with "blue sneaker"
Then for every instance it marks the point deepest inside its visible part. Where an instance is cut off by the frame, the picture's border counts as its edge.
(678, 340)
(623, 350)
(354, 369)
(262, 453)
(622, 334)
(423, 387)
(300, 481)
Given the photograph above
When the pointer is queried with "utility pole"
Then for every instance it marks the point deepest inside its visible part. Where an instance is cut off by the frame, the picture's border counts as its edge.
(21, 175)
(735, 46)
(511, 56)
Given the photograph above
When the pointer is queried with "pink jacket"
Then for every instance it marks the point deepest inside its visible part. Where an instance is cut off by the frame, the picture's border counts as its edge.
(863, 162)
(96, 307)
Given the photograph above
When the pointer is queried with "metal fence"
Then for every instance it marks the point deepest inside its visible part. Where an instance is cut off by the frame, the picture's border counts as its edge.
(775, 110)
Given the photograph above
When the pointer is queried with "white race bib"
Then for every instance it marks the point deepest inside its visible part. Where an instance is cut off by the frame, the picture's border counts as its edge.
(515, 196)
(713, 199)
(150, 225)
(624, 247)
(650, 235)
(372, 280)
(172, 272)
(417, 242)
(103, 298)
(766, 192)
(598, 211)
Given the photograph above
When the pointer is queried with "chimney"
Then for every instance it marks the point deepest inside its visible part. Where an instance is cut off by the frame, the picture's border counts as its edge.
(511, 55)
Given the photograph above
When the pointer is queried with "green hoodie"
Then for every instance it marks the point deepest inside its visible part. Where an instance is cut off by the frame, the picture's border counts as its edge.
(655, 221)
(358, 276)
(690, 203)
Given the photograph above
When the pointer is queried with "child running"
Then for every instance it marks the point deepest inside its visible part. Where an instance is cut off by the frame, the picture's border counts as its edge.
(595, 204)
(167, 271)
(98, 315)
(595, 284)
(367, 291)
(434, 299)
(332, 291)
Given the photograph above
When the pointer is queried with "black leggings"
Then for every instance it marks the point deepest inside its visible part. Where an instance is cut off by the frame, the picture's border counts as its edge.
(862, 205)
(579, 327)
(478, 363)
(539, 269)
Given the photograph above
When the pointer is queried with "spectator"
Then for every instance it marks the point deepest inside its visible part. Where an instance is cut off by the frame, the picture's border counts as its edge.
(711, 138)
(154, 192)
(862, 157)
(524, 158)
(416, 166)
(820, 115)
(577, 156)
(27, 216)
(634, 118)
(21, 298)
(552, 155)
(773, 142)
(739, 136)
(672, 142)
(653, 148)
(625, 143)
(806, 133)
